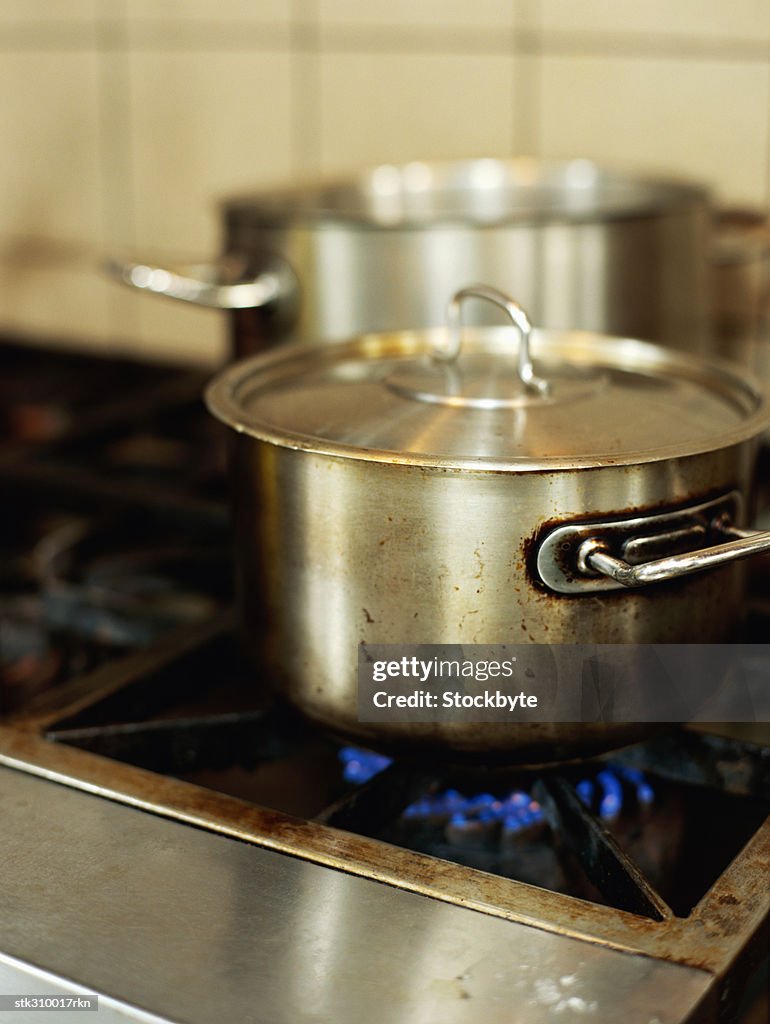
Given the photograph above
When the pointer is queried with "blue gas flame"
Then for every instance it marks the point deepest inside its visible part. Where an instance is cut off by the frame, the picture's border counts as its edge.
(605, 793)
(361, 765)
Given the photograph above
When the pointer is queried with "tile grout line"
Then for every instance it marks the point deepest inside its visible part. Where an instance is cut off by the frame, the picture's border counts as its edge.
(304, 32)
(118, 201)
(515, 79)
(305, 35)
(528, 57)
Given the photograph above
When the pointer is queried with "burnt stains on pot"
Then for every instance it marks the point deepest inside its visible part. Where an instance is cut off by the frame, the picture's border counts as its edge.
(697, 508)
(387, 494)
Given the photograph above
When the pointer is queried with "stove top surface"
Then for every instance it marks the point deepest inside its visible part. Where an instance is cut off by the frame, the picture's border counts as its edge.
(121, 676)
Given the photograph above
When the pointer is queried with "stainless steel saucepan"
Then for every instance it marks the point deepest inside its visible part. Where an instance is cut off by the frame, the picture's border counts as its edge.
(580, 245)
(490, 486)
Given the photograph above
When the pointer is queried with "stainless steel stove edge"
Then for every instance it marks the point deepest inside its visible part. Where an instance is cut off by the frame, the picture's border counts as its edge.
(195, 927)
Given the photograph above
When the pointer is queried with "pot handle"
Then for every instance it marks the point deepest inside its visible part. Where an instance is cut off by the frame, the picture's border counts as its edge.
(524, 368)
(226, 283)
(587, 557)
(593, 558)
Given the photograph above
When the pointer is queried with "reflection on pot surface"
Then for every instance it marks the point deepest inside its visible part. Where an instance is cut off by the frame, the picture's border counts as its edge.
(580, 245)
(375, 505)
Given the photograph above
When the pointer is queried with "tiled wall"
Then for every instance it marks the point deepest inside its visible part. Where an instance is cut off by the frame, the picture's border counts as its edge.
(122, 121)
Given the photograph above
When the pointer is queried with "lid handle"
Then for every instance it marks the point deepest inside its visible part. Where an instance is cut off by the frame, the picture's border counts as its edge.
(519, 318)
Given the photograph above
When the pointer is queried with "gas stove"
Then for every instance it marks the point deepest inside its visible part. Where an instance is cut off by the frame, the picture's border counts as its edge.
(180, 843)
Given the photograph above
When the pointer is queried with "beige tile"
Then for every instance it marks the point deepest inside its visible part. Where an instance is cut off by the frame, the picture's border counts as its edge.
(49, 10)
(526, 107)
(208, 24)
(176, 331)
(742, 19)
(203, 125)
(441, 13)
(708, 120)
(529, 14)
(50, 160)
(124, 323)
(241, 10)
(116, 147)
(68, 302)
(385, 107)
(202, 34)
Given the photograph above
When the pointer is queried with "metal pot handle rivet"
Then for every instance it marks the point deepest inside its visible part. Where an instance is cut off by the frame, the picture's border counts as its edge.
(519, 318)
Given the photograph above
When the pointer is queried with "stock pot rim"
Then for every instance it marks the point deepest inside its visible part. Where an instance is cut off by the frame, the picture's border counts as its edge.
(223, 398)
(531, 191)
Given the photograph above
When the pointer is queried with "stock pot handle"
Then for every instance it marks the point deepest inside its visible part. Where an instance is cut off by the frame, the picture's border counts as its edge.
(586, 557)
(593, 558)
(524, 368)
(216, 285)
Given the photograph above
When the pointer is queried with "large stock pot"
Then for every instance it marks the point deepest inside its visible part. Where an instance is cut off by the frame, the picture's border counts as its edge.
(395, 489)
(581, 246)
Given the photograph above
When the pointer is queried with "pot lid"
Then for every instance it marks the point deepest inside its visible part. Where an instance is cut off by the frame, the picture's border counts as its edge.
(490, 398)
(480, 192)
